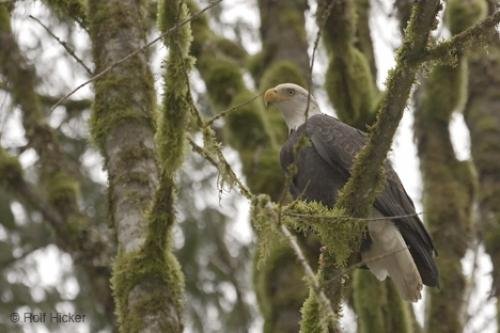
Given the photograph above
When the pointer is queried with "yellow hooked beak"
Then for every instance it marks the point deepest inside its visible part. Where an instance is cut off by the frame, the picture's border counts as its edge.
(271, 96)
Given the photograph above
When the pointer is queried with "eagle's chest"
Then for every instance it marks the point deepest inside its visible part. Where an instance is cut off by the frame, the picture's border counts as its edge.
(313, 179)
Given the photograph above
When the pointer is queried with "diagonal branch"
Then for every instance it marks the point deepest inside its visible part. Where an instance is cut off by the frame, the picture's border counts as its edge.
(461, 41)
(65, 45)
(359, 192)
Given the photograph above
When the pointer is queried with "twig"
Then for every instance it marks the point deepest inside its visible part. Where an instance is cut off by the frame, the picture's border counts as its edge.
(202, 152)
(231, 109)
(321, 26)
(63, 44)
(357, 219)
(227, 167)
(313, 280)
(459, 41)
(135, 52)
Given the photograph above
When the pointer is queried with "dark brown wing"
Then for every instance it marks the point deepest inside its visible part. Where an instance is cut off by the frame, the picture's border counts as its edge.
(338, 143)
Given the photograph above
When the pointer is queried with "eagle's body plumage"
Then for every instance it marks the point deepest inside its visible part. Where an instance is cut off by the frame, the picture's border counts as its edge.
(399, 247)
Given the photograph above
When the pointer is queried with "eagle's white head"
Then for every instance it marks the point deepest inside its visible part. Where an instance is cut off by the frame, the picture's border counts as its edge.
(291, 100)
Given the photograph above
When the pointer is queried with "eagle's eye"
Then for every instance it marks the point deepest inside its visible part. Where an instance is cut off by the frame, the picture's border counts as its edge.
(291, 92)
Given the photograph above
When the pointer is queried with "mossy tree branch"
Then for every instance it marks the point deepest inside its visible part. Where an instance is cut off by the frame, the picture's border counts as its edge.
(359, 193)
(482, 116)
(283, 37)
(123, 125)
(152, 273)
(246, 130)
(270, 219)
(350, 77)
(351, 86)
(465, 39)
(58, 180)
(357, 196)
(363, 41)
(448, 185)
(283, 58)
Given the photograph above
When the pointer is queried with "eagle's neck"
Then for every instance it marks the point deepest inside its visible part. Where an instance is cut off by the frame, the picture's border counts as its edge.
(295, 119)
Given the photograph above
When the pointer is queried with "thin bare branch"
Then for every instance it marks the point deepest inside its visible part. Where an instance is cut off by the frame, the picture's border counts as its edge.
(355, 219)
(224, 113)
(135, 52)
(65, 45)
(311, 276)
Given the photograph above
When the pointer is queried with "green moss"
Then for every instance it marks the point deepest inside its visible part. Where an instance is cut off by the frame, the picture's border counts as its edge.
(461, 14)
(142, 269)
(118, 98)
(230, 49)
(444, 92)
(363, 40)
(369, 298)
(129, 154)
(280, 72)
(294, 19)
(110, 109)
(270, 177)
(11, 171)
(62, 190)
(340, 28)
(278, 280)
(336, 231)
(223, 79)
(161, 218)
(313, 318)
(354, 197)
(246, 127)
(397, 312)
(350, 87)
(201, 31)
(256, 65)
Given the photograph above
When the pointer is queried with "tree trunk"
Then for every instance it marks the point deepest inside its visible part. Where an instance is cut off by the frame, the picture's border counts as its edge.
(482, 115)
(146, 277)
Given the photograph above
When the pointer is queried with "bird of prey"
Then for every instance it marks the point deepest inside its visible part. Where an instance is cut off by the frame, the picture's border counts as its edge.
(398, 247)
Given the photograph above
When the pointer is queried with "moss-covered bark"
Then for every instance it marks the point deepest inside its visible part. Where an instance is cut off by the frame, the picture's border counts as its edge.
(358, 195)
(448, 185)
(147, 282)
(363, 40)
(283, 36)
(378, 305)
(57, 176)
(247, 129)
(350, 78)
(350, 83)
(482, 116)
(447, 194)
(279, 280)
(257, 134)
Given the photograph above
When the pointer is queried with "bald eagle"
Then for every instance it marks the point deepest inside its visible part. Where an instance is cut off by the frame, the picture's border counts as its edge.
(400, 247)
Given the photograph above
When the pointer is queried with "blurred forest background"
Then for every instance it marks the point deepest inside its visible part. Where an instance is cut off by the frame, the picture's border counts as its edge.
(116, 182)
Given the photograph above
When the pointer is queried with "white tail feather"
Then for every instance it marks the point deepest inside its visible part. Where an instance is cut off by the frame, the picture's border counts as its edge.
(388, 255)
